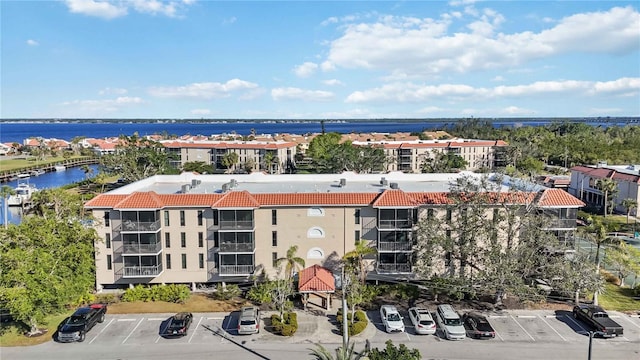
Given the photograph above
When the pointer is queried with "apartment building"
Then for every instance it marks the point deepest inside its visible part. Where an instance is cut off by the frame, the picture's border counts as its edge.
(191, 228)
(584, 184)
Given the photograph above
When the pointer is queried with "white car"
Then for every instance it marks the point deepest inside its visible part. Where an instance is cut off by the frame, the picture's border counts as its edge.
(422, 321)
(391, 319)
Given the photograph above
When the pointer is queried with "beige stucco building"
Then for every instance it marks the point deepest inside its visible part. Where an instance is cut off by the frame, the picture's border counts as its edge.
(192, 228)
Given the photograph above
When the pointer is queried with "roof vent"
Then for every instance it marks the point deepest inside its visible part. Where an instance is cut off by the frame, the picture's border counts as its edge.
(225, 187)
(195, 182)
(185, 188)
(393, 185)
(602, 163)
(233, 183)
(384, 181)
(343, 182)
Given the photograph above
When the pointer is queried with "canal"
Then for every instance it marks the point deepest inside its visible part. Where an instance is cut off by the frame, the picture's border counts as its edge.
(44, 181)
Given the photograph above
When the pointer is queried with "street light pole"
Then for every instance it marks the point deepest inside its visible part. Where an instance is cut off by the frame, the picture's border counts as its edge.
(590, 343)
(345, 323)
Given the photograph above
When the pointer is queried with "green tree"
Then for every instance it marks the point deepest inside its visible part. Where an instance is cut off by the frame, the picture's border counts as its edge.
(391, 352)
(623, 259)
(629, 205)
(138, 158)
(229, 160)
(608, 187)
(56, 203)
(355, 260)
(198, 167)
(597, 233)
(443, 162)
(341, 353)
(291, 261)
(5, 192)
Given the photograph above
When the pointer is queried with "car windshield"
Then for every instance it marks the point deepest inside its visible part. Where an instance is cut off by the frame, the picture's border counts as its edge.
(393, 317)
(452, 322)
(484, 326)
(426, 322)
(247, 322)
(176, 324)
(76, 320)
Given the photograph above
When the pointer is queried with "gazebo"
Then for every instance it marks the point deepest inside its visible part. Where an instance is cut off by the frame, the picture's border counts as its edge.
(316, 284)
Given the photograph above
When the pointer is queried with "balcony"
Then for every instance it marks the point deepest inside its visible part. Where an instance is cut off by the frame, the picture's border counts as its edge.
(141, 271)
(227, 270)
(561, 224)
(226, 247)
(236, 224)
(135, 226)
(134, 248)
(395, 224)
(394, 268)
(395, 246)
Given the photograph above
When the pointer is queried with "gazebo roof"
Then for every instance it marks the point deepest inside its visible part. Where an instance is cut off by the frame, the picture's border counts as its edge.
(316, 279)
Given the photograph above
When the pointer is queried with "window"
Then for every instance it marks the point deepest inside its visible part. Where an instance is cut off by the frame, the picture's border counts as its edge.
(215, 217)
(168, 261)
(448, 234)
(447, 259)
(106, 218)
(274, 259)
(107, 240)
(274, 238)
(201, 260)
(357, 235)
(274, 217)
(357, 216)
(109, 263)
(183, 239)
(315, 211)
(182, 219)
(167, 240)
(448, 215)
(200, 239)
(200, 215)
(429, 214)
(315, 232)
(216, 239)
(166, 218)
(315, 253)
(184, 261)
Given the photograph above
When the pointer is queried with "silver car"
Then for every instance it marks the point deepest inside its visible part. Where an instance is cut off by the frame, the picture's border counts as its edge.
(422, 321)
(249, 322)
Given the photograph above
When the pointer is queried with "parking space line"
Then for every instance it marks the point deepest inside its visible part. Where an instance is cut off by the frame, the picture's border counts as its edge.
(215, 318)
(526, 316)
(552, 328)
(103, 329)
(196, 329)
(126, 319)
(498, 334)
(521, 327)
(158, 339)
(624, 317)
(156, 319)
(134, 329)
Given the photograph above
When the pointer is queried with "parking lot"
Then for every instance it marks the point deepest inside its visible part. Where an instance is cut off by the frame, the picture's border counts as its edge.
(532, 326)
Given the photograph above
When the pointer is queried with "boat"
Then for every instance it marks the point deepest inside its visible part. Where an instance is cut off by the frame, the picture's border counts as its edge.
(23, 193)
(23, 176)
(37, 172)
(60, 168)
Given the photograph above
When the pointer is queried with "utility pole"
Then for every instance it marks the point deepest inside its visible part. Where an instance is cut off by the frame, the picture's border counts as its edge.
(345, 322)
(590, 343)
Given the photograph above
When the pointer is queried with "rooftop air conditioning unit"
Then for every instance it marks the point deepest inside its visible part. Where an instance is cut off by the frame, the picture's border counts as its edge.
(384, 182)
(195, 182)
(225, 187)
(233, 183)
(394, 185)
(343, 182)
(185, 188)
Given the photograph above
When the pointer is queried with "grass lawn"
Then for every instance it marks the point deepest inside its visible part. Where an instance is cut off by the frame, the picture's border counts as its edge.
(619, 299)
(12, 335)
(31, 162)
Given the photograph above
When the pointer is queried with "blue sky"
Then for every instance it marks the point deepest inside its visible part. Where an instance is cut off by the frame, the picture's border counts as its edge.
(319, 60)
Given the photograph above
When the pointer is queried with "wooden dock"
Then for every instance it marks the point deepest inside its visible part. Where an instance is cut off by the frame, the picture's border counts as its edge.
(11, 175)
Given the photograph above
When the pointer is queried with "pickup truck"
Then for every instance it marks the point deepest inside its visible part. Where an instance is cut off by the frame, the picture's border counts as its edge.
(75, 327)
(596, 317)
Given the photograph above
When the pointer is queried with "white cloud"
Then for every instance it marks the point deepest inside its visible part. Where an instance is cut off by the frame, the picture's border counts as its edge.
(201, 112)
(112, 91)
(32, 42)
(306, 69)
(498, 78)
(229, 21)
(426, 46)
(431, 110)
(292, 93)
(415, 93)
(110, 9)
(207, 90)
(332, 82)
(515, 111)
(85, 108)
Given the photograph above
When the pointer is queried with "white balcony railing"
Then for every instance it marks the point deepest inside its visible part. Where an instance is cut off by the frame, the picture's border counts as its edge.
(236, 270)
(142, 271)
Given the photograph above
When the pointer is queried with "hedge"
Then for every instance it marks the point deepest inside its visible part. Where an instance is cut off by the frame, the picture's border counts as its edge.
(287, 326)
(355, 327)
(175, 293)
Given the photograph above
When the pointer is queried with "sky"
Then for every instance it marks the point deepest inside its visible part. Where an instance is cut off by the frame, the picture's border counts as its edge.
(190, 59)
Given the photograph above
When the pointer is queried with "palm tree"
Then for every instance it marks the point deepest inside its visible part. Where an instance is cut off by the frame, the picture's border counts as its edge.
(269, 159)
(291, 261)
(597, 232)
(629, 204)
(607, 186)
(5, 192)
(356, 258)
(342, 353)
(229, 160)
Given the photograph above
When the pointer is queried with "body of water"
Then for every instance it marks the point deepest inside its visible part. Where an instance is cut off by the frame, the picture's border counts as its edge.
(44, 181)
(18, 131)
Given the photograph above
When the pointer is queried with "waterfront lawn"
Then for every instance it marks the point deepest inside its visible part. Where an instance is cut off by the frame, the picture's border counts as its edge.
(618, 298)
(30, 162)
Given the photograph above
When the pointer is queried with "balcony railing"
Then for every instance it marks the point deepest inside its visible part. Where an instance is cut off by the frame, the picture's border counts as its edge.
(395, 246)
(394, 268)
(236, 224)
(561, 224)
(237, 247)
(236, 270)
(395, 224)
(135, 226)
(142, 271)
(141, 248)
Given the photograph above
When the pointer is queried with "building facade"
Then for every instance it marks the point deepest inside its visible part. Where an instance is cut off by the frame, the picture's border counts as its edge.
(193, 229)
(584, 184)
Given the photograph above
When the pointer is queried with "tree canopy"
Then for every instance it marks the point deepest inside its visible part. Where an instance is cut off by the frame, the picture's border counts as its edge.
(138, 158)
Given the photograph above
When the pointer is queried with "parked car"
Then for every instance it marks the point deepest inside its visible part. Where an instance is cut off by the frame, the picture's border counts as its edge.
(422, 321)
(75, 327)
(450, 322)
(596, 317)
(178, 324)
(249, 321)
(391, 319)
(477, 326)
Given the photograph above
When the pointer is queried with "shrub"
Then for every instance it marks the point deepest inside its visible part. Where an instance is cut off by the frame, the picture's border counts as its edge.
(175, 293)
(227, 292)
(287, 326)
(136, 293)
(357, 327)
(107, 298)
(361, 316)
(261, 293)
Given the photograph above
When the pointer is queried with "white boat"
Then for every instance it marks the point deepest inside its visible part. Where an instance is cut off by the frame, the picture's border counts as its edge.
(23, 193)
(23, 176)
(37, 172)
(60, 168)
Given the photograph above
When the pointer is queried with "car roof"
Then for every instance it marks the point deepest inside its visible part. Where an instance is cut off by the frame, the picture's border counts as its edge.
(389, 308)
(181, 316)
(248, 311)
(423, 313)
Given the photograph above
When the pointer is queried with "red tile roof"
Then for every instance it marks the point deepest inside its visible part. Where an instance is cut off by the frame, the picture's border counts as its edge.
(607, 173)
(316, 279)
(237, 199)
(394, 198)
(558, 198)
(324, 199)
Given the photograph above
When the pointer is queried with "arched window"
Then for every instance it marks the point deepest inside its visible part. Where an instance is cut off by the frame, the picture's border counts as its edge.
(315, 211)
(315, 232)
(315, 253)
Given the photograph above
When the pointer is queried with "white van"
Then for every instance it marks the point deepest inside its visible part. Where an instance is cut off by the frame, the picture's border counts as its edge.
(450, 322)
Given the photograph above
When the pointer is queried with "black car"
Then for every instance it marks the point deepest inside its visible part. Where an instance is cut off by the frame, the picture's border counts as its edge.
(178, 324)
(477, 326)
